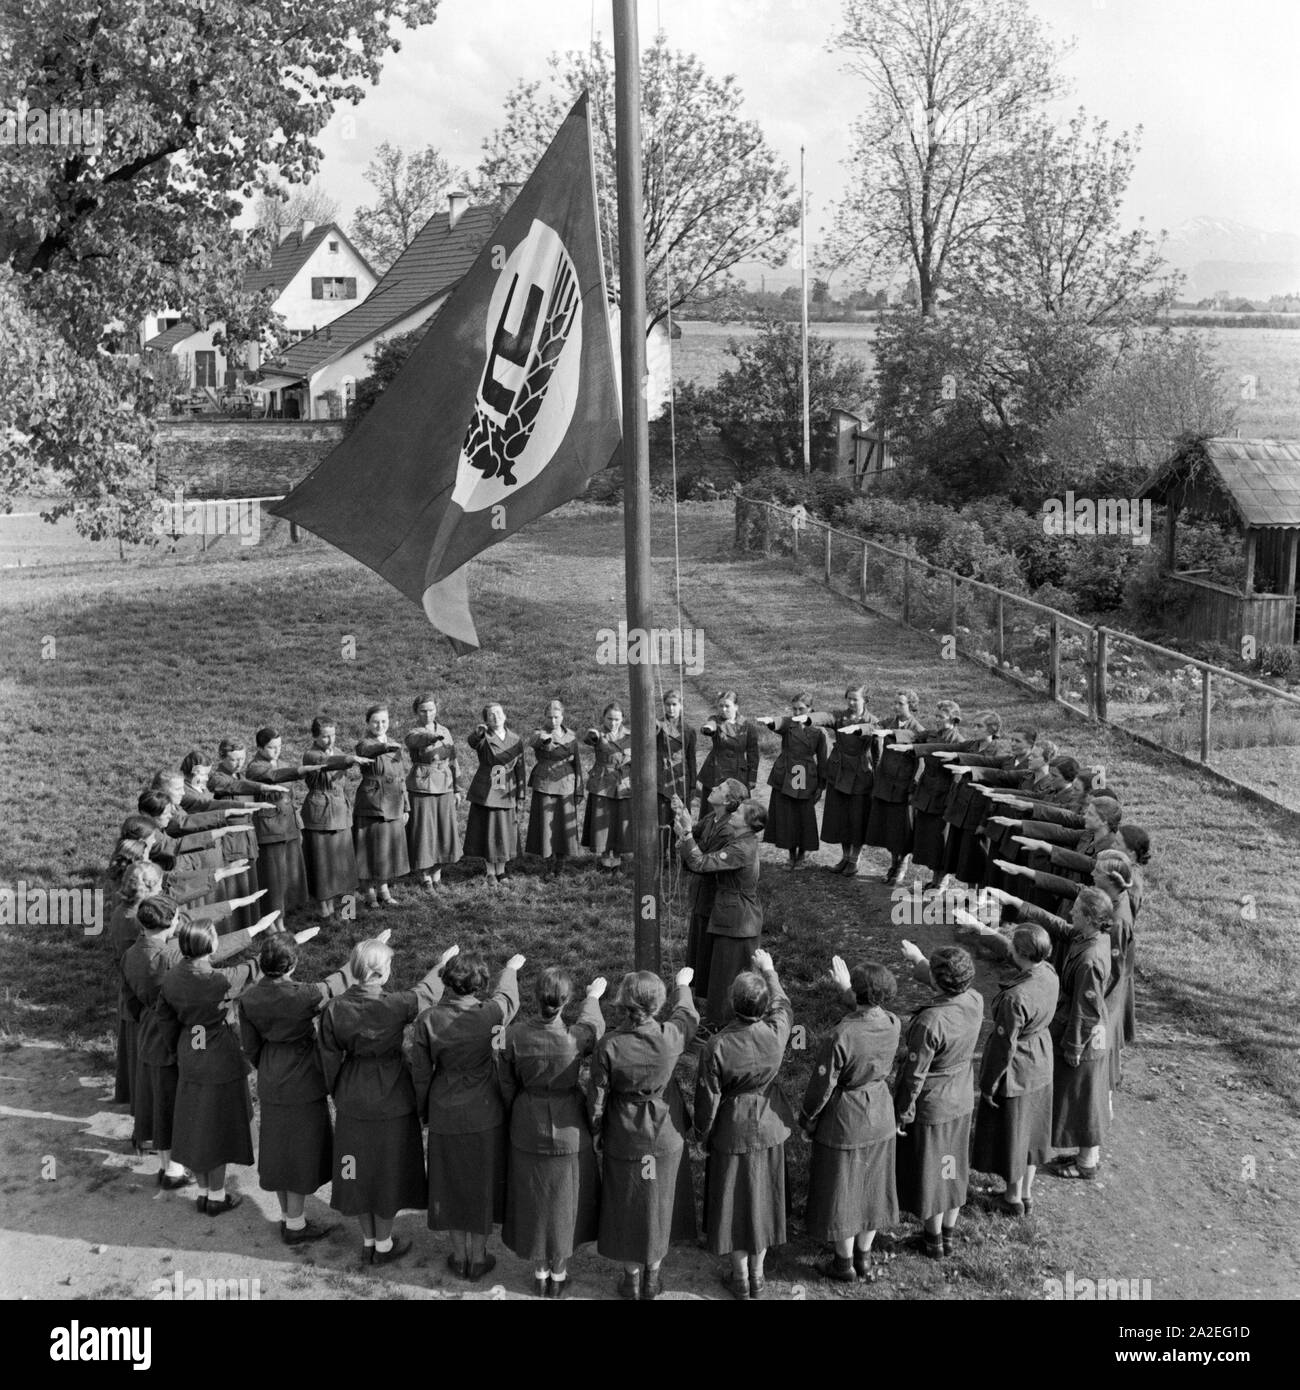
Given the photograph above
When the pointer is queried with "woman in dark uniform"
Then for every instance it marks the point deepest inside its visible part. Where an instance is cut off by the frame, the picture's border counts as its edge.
(930, 790)
(735, 747)
(638, 1121)
(742, 1118)
(848, 1115)
(675, 753)
(280, 863)
(378, 1160)
(607, 826)
(553, 1198)
(1013, 1126)
(889, 823)
(277, 1026)
(796, 779)
(433, 793)
(934, 1095)
(453, 1064)
(711, 832)
(198, 795)
(328, 855)
(380, 811)
(848, 780)
(496, 795)
(557, 790)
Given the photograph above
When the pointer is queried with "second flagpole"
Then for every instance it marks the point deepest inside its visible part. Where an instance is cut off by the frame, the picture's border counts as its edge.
(648, 879)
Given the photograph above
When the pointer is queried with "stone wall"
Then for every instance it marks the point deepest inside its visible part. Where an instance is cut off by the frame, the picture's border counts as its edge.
(241, 458)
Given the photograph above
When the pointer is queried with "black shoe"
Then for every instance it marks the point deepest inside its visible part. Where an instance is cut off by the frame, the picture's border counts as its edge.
(541, 1287)
(228, 1203)
(738, 1288)
(477, 1270)
(174, 1184)
(401, 1246)
(201, 1204)
(841, 1270)
(557, 1288)
(305, 1236)
(458, 1267)
(652, 1285)
(949, 1240)
(629, 1286)
(757, 1286)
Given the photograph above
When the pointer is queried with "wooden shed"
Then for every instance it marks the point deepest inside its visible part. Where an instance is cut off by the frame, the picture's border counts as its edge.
(1254, 483)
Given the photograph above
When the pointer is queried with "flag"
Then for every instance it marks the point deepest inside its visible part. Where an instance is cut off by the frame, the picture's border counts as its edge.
(503, 411)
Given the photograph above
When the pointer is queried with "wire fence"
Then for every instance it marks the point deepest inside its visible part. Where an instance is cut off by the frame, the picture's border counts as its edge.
(1243, 730)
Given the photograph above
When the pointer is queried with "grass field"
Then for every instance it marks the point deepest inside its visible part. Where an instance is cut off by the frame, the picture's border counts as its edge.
(155, 656)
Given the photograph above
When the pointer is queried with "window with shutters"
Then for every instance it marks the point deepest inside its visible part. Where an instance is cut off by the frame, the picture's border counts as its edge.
(333, 287)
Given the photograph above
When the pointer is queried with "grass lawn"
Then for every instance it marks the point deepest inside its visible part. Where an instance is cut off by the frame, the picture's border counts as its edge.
(154, 657)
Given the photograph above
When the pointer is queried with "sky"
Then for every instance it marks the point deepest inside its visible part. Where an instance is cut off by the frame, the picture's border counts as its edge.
(1212, 83)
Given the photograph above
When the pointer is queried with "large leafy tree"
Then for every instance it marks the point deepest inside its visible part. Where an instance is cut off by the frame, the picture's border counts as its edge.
(715, 192)
(203, 107)
(948, 84)
(410, 189)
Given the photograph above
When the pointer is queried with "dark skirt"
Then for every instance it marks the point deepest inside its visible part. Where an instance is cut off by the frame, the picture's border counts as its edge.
(699, 953)
(467, 1180)
(889, 826)
(283, 874)
(929, 830)
(745, 1200)
(923, 1155)
(552, 1205)
(432, 835)
(242, 886)
(331, 863)
(380, 848)
(490, 833)
(728, 957)
(964, 856)
(378, 1166)
(1017, 1133)
(607, 825)
(294, 1147)
(641, 1216)
(791, 824)
(1080, 1102)
(851, 1190)
(552, 827)
(127, 1032)
(154, 1105)
(844, 820)
(211, 1125)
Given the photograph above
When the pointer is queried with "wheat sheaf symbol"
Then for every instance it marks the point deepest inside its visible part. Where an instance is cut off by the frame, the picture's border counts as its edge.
(492, 445)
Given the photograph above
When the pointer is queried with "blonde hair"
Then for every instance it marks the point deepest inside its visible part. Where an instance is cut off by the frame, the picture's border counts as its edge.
(369, 960)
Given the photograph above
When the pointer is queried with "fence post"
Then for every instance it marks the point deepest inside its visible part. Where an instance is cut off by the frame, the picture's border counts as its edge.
(1054, 660)
(952, 605)
(1002, 640)
(1101, 692)
(1091, 673)
(907, 590)
(862, 578)
(740, 524)
(794, 555)
(1206, 696)
(828, 557)
(767, 529)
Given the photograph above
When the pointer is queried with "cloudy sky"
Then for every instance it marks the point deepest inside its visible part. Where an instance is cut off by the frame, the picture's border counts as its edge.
(1212, 83)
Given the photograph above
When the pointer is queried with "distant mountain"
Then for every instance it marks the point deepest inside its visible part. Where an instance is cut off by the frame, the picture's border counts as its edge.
(1216, 253)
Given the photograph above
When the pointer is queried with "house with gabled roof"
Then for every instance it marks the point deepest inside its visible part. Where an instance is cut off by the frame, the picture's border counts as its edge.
(316, 377)
(316, 276)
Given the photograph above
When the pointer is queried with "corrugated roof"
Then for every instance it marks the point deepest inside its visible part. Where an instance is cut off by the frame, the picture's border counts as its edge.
(169, 337)
(432, 265)
(1260, 478)
(290, 256)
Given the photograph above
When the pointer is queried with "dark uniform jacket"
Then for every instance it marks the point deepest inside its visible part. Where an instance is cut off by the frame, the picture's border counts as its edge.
(895, 772)
(194, 1015)
(538, 1074)
(739, 1103)
(326, 804)
(736, 907)
(930, 791)
(558, 769)
(434, 770)
(675, 761)
(846, 1104)
(361, 1047)
(851, 763)
(632, 1099)
(967, 806)
(381, 793)
(453, 1059)
(281, 824)
(225, 782)
(734, 753)
(277, 1026)
(800, 769)
(935, 1079)
(499, 781)
(712, 832)
(1018, 1052)
(1080, 1024)
(611, 773)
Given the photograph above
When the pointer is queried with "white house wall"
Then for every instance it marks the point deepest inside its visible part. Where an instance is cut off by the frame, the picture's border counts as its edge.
(356, 364)
(301, 312)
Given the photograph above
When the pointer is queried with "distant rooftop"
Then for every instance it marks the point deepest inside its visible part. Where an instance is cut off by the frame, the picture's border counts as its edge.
(1257, 479)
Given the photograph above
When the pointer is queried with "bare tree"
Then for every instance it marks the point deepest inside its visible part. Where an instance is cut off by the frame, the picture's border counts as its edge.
(410, 189)
(949, 83)
(280, 212)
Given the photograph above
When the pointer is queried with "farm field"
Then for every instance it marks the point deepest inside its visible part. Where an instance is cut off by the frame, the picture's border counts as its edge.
(154, 657)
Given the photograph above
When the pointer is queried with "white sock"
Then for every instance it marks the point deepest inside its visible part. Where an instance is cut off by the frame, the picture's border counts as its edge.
(203, 1192)
(295, 1223)
(218, 1194)
(174, 1169)
(368, 1242)
(560, 1278)
(543, 1274)
(382, 1247)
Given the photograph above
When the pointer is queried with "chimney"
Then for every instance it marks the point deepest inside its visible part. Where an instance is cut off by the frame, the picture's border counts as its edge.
(508, 192)
(305, 229)
(457, 202)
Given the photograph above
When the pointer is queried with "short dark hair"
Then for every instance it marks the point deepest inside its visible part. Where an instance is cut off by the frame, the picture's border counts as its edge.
(268, 733)
(194, 758)
(952, 969)
(1030, 942)
(1030, 734)
(197, 939)
(554, 990)
(873, 985)
(1109, 810)
(749, 995)
(755, 814)
(1138, 842)
(641, 995)
(156, 913)
(1066, 767)
(153, 803)
(322, 722)
(372, 710)
(279, 953)
(227, 746)
(137, 827)
(466, 973)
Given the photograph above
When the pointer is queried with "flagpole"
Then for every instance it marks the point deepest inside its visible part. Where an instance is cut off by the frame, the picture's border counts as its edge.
(803, 301)
(636, 476)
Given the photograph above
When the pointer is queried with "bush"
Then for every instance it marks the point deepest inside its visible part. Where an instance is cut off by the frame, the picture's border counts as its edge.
(1098, 571)
(1278, 660)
